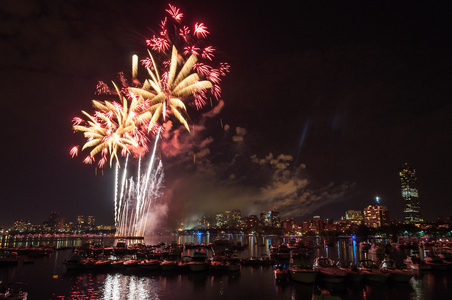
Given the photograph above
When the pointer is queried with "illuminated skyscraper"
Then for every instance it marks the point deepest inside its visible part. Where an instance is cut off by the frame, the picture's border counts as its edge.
(410, 194)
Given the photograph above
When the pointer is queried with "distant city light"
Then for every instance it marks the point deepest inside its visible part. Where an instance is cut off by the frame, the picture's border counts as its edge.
(377, 199)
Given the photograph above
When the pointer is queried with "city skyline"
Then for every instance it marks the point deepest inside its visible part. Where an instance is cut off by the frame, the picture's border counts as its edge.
(323, 105)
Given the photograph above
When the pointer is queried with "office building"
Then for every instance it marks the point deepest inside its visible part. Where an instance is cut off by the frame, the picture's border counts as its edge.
(410, 195)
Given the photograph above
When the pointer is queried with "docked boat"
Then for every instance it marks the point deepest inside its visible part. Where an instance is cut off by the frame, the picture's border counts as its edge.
(150, 264)
(281, 274)
(76, 262)
(217, 263)
(353, 273)
(303, 274)
(436, 263)
(182, 265)
(169, 264)
(254, 262)
(131, 264)
(397, 274)
(10, 292)
(12, 295)
(102, 264)
(118, 264)
(265, 260)
(198, 262)
(328, 270)
(372, 272)
(416, 264)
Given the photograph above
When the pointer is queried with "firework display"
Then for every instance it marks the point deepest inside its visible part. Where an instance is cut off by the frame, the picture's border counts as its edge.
(179, 72)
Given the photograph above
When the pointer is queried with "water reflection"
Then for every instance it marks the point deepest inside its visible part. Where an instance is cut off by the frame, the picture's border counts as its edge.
(118, 286)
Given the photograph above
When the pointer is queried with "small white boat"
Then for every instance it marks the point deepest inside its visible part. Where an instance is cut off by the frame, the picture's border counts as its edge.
(372, 272)
(416, 264)
(397, 274)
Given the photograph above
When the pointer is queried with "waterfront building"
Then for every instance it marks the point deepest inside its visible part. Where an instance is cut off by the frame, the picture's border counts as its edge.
(80, 220)
(252, 222)
(376, 216)
(316, 225)
(354, 217)
(91, 220)
(22, 225)
(288, 225)
(274, 218)
(53, 220)
(264, 219)
(236, 217)
(220, 219)
(410, 194)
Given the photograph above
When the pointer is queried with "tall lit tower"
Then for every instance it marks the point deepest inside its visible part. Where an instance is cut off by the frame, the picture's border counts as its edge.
(410, 194)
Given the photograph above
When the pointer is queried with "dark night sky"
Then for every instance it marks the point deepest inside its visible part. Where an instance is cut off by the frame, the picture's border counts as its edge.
(324, 102)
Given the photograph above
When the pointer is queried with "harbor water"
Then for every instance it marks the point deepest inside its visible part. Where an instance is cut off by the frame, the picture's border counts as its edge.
(46, 277)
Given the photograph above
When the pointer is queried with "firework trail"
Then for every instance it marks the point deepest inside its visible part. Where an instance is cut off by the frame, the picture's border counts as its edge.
(180, 72)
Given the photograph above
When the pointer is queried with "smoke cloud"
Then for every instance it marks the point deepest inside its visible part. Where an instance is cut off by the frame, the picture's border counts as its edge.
(206, 171)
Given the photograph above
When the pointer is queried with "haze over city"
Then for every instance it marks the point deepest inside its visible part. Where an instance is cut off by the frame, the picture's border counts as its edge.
(323, 104)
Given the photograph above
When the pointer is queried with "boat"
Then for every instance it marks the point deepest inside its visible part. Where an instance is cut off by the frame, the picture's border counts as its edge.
(76, 262)
(397, 274)
(253, 261)
(169, 265)
(328, 270)
(151, 264)
(88, 263)
(353, 273)
(265, 260)
(182, 265)
(303, 274)
(416, 264)
(281, 274)
(217, 263)
(12, 295)
(102, 264)
(131, 264)
(436, 263)
(198, 262)
(372, 272)
(118, 264)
